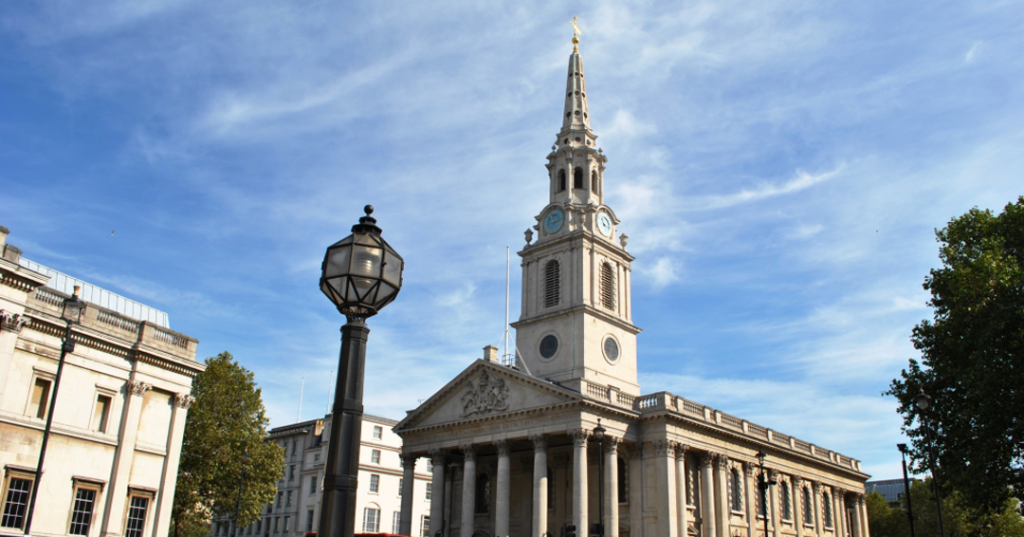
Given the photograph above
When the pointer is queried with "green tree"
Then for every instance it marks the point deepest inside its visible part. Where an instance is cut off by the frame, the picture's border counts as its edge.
(972, 360)
(959, 518)
(885, 521)
(224, 435)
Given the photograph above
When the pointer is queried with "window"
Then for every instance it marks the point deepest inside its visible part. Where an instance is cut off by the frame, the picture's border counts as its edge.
(138, 506)
(430, 491)
(374, 483)
(396, 522)
(277, 524)
(430, 465)
(551, 284)
(593, 182)
(826, 505)
(259, 526)
(607, 286)
(736, 493)
(561, 180)
(577, 178)
(316, 457)
(759, 502)
(375, 456)
(787, 502)
(280, 496)
(293, 447)
(82, 508)
(291, 473)
(371, 520)
(287, 524)
(622, 484)
(40, 398)
(808, 513)
(17, 489)
(288, 502)
(101, 413)
(312, 484)
(401, 481)
(378, 432)
(425, 526)
(309, 521)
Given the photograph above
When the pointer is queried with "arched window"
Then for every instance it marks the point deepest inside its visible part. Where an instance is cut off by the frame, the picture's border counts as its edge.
(808, 512)
(593, 182)
(759, 504)
(607, 286)
(787, 502)
(483, 493)
(623, 489)
(551, 284)
(577, 178)
(827, 507)
(561, 180)
(736, 502)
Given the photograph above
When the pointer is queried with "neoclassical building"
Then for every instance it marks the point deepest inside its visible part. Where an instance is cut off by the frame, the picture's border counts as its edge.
(112, 458)
(513, 446)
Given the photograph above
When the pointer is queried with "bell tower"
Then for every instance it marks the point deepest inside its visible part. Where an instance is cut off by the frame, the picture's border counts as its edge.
(576, 322)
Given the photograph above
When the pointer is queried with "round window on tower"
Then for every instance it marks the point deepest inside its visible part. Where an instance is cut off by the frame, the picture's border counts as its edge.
(548, 346)
(611, 349)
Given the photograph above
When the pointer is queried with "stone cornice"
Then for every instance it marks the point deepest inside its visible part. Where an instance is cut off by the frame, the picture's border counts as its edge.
(596, 312)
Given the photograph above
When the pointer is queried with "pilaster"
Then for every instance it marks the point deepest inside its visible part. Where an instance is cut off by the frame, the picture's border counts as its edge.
(135, 392)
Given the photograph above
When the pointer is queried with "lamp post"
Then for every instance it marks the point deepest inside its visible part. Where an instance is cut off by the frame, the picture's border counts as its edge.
(360, 274)
(923, 402)
(599, 436)
(72, 311)
(241, 485)
(763, 484)
(906, 487)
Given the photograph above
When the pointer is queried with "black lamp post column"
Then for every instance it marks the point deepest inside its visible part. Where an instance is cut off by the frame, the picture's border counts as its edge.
(923, 402)
(599, 436)
(906, 487)
(763, 484)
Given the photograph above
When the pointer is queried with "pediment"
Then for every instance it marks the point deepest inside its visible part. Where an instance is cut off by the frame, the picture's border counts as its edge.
(485, 390)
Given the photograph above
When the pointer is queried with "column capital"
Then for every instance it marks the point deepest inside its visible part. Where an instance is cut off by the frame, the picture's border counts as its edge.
(437, 455)
(184, 400)
(611, 443)
(662, 447)
(502, 446)
(137, 387)
(722, 460)
(469, 452)
(840, 493)
(407, 458)
(816, 485)
(798, 482)
(540, 442)
(681, 449)
(707, 459)
(748, 467)
(579, 437)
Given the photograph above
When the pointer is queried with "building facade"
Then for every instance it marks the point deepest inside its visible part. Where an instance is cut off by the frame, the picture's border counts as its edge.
(564, 437)
(119, 416)
(295, 509)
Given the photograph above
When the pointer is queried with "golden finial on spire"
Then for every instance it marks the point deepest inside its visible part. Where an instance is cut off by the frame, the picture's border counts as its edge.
(575, 35)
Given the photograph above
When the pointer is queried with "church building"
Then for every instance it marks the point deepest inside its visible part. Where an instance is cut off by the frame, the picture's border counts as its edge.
(565, 438)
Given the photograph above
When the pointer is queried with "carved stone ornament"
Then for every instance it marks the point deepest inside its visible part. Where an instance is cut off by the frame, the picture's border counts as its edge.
(139, 388)
(707, 458)
(183, 400)
(437, 457)
(579, 437)
(468, 452)
(488, 394)
(623, 240)
(529, 236)
(749, 468)
(611, 444)
(12, 322)
(661, 447)
(503, 447)
(681, 450)
(540, 442)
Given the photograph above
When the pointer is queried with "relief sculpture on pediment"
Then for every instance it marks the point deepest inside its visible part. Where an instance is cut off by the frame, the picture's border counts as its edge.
(488, 394)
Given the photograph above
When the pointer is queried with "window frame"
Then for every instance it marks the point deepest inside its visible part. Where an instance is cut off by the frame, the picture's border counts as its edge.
(396, 522)
(374, 484)
(376, 519)
(25, 474)
(138, 493)
(378, 432)
(96, 486)
(425, 525)
(37, 375)
(109, 395)
(375, 456)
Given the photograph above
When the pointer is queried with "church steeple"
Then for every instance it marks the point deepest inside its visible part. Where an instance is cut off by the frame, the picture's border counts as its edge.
(576, 118)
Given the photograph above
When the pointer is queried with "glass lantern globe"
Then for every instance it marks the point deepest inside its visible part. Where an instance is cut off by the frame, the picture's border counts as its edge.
(73, 308)
(362, 273)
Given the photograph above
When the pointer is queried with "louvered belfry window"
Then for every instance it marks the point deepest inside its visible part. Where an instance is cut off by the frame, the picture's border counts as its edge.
(607, 286)
(551, 284)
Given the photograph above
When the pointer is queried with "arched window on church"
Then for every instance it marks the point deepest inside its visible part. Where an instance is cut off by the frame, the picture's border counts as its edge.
(483, 493)
(736, 499)
(787, 502)
(808, 512)
(577, 178)
(607, 286)
(593, 182)
(561, 180)
(551, 284)
(623, 489)
(826, 504)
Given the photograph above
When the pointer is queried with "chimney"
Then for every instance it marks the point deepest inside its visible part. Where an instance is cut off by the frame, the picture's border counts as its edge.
(9, 252)
(491, 353)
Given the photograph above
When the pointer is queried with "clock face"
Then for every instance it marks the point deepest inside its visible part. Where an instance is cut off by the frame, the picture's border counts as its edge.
(553, 221)
(604, 224)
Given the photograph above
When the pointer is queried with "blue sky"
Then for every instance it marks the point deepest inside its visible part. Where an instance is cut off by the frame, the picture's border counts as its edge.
(779, 166)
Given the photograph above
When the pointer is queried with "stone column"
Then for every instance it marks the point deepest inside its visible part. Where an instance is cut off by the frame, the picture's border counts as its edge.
(502, 495)
(819, 524)
(798, 505)
(752, 490)
(862, 509)
(170, 472)
(579, 481)
(840, 495)
(636, 499)
(665, 476)
(540, 485)
(468, 489)
(682, 520)
(611, 487)
(408, 480)
(722, 498)
(855, 516)
(135, 392)
(707, 495)
(774, 508)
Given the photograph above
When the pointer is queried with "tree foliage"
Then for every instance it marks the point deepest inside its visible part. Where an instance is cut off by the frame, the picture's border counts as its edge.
(960, 519)
(224, 435)
(972, 359)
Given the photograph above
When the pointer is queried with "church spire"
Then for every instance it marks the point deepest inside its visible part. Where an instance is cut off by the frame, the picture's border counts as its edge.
(575, 114)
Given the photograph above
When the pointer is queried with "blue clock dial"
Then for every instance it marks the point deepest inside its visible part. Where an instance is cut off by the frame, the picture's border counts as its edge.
(604, 224)
(553, 221)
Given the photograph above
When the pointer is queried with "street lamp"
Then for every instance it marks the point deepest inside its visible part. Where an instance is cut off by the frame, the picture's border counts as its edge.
(599, 436)
(923, 402)
(763, 484)
(361, 274)
(72, 311)
(906, 486)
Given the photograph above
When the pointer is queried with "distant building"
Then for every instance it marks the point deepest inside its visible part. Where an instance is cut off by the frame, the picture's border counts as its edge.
(295, 509)
(890, 489)
(112, 458)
